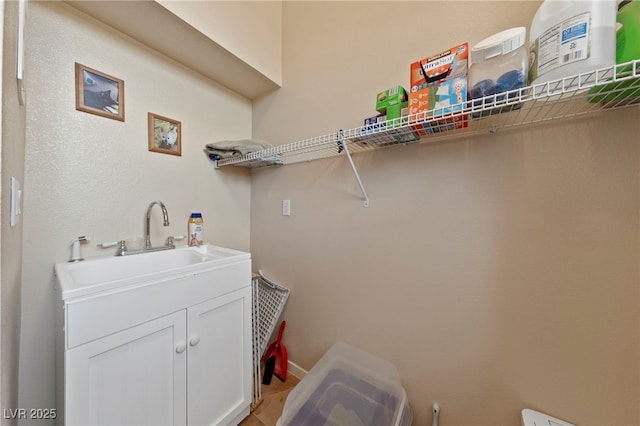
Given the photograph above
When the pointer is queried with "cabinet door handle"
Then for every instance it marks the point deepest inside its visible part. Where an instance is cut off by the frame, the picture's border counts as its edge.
(194, 340)
(181, 347)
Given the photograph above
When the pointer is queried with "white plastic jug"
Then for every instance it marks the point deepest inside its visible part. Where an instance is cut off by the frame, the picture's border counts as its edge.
(569, 37)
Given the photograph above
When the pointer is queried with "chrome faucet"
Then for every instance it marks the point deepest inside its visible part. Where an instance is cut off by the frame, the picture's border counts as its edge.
(165, 216)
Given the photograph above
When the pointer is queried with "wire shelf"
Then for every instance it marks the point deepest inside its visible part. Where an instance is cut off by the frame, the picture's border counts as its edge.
(591, 92)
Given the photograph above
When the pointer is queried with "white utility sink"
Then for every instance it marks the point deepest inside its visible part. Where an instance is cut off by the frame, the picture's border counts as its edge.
(166, 330)
(107, 273)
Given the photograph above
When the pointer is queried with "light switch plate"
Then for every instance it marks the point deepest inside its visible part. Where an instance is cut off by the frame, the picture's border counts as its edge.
(286, 207)
(15, 202)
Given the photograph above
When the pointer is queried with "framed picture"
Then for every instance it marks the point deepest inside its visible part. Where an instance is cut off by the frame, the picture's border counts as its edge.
(165, 135)
(99, 93)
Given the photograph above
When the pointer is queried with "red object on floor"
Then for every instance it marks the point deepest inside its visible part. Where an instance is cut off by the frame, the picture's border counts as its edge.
(279, 352)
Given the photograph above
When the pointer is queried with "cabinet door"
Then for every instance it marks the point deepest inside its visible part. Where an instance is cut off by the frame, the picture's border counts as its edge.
(133, 377)
(220, 357)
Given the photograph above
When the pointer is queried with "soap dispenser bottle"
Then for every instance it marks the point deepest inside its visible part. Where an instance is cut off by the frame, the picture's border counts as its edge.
(195, 229)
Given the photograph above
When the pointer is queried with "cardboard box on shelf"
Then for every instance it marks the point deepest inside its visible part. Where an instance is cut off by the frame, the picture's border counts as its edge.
(444, 98)
(394, 112)
(397, 120)
(447, 64)
(390, 97)
(376, 123)
(423, 128)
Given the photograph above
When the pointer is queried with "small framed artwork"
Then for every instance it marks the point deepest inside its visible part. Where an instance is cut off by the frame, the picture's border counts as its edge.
(99, 93)
(165, 135)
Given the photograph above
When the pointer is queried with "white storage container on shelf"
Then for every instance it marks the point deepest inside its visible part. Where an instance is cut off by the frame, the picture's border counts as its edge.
(569, 37)
(499, 64)
(348, 387)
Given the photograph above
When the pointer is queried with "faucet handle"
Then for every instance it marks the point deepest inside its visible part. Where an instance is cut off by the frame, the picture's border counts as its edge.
(109, 244)
(170, 242)
(122, 246)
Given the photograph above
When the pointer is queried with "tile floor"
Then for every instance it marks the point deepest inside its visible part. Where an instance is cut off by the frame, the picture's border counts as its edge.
(274, 395)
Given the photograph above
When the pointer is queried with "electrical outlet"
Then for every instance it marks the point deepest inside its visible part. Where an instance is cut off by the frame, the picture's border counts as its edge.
(286, 207)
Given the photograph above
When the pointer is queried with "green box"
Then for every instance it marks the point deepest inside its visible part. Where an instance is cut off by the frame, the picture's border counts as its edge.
(395, 111)
(390, 97)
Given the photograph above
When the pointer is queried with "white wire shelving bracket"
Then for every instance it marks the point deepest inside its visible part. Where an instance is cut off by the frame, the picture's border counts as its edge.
(343, 145)
(586, 93)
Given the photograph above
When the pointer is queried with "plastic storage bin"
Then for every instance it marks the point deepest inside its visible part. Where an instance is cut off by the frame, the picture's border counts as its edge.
(498, 63)
(348, 387)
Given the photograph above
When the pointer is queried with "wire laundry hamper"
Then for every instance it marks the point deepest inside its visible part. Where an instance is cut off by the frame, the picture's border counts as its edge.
(269, 299)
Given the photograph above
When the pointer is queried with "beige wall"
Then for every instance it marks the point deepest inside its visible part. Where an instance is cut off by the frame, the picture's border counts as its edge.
(497, 273)
(248, 29)
(86, 174)
(12, 153)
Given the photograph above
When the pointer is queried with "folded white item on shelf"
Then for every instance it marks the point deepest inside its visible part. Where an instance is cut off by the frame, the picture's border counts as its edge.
(226, 149)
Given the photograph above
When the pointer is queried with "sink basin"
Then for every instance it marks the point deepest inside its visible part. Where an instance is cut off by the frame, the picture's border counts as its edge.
(106, 273)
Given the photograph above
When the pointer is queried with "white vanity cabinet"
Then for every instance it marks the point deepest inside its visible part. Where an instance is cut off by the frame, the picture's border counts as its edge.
(170, 351)
(133, 377)
(218, 374)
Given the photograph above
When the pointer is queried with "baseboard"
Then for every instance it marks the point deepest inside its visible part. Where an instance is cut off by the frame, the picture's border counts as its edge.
(296, 370)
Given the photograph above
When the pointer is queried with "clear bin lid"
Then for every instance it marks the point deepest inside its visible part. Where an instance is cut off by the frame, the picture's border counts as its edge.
(349, 386)
(498, 44)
